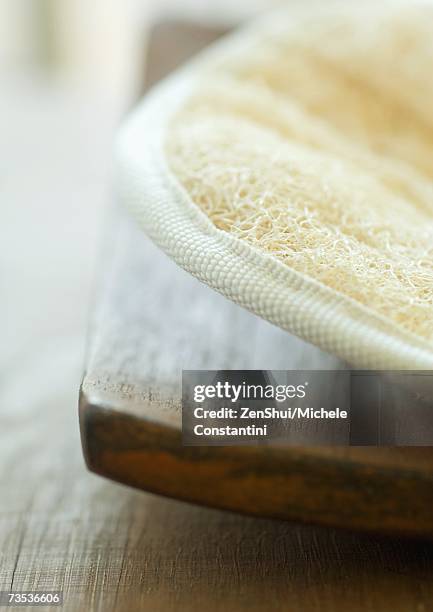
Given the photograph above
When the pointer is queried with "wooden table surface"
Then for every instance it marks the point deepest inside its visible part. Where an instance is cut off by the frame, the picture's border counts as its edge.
(112, 548)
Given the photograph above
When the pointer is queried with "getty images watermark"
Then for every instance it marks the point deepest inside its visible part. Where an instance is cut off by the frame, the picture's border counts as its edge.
(301, 407)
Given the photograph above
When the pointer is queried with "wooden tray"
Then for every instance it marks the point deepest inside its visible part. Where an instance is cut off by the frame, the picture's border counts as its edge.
(152, 320)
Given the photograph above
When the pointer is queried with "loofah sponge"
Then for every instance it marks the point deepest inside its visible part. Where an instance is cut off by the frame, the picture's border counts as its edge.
(291, 168)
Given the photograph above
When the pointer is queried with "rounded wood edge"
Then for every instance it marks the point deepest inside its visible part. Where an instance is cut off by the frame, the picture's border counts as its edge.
(284, 483)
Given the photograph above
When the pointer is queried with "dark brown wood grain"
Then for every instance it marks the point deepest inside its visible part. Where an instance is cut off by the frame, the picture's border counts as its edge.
(153, 319)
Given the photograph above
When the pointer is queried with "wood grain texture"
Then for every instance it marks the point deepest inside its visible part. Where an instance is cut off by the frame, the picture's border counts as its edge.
(153, 320)
(113, 549)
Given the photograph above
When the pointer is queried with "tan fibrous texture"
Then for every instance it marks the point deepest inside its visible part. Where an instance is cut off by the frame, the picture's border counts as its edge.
(316, 146)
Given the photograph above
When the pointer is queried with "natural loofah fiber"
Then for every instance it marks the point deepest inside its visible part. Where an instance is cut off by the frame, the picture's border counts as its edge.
(290, 167)
(317, 147)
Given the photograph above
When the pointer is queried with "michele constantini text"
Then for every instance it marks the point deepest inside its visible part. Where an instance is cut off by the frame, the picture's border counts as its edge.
(265, 413)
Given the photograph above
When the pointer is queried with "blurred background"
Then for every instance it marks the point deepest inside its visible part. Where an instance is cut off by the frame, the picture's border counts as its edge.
(69, 70)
